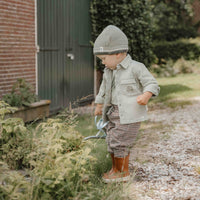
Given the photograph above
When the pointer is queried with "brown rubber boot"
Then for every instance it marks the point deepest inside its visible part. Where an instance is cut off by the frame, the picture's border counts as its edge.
(113, 166)
(121, 171)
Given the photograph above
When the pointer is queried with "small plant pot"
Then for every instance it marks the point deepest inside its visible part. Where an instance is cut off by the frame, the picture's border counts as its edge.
(35, 111)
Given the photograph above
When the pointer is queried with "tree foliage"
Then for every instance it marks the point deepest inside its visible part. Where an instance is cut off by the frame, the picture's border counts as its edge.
(132, 17)
(172, 19)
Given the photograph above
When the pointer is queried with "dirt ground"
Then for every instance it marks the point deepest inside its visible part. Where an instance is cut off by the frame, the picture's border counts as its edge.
(165, 161)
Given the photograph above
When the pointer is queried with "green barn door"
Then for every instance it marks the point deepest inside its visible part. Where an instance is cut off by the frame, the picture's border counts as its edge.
(65, 61)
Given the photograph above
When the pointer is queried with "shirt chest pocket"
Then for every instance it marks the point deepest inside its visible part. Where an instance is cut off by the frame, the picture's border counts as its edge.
(129, 87)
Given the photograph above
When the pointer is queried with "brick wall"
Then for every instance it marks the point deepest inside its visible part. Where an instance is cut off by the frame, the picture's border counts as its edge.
(17, 43)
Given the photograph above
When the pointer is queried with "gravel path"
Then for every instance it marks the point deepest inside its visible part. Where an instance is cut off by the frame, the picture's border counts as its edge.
(172, 167)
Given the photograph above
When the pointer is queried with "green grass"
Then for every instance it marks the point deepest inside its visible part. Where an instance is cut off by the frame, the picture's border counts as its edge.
(178, 90)
(86, 126)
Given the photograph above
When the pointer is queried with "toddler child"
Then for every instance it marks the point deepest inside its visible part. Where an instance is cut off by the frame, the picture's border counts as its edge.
(125, 90)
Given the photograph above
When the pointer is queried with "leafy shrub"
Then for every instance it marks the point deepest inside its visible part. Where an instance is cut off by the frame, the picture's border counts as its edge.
(175, 33)
(56, 133)
(182, 66)
(13, 185)
(63, 175)
(175, 50)
(164, 69)
(21, 94)
(132, 17)
(5, 108)
(171, 68)
(15, 142)
(173, 20)
(59, 165)
(61, 160)
(15, 139)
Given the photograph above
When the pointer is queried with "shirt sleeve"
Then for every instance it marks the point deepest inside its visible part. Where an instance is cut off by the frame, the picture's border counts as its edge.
(101, 94)
(147, 80)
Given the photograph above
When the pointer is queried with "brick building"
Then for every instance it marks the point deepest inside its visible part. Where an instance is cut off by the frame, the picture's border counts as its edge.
(17, 43)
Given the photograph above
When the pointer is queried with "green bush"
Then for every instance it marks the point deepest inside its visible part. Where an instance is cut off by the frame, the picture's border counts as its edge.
(132, 17)
(175, 33)
(164, 69)
(15, 140)
(58, 161)
(173, 20)
(5, 108)
(15, 143)
(171, 68)
(13, 185)
(175, 50)
(21, 95)
(182, 66)
(61, 160)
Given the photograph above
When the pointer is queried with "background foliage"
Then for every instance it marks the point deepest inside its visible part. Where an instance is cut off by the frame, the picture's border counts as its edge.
(132, 17)
(161, 23)
(175, 50)
(172, 21)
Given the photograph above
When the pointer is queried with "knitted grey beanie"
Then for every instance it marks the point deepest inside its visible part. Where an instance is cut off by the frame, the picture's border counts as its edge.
(110, 41)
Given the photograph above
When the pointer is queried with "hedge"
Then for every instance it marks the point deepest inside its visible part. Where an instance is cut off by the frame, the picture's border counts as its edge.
(173, 20)
(132, 17)
(175, 50)
(175, 33)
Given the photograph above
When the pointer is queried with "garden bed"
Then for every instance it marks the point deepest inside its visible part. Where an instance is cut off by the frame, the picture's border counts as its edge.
(34, 111)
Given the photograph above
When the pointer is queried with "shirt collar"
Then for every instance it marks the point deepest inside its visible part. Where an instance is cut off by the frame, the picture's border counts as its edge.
(125, 63)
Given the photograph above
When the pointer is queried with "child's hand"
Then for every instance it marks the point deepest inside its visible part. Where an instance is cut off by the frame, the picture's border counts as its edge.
(144, 98)
(98, 109)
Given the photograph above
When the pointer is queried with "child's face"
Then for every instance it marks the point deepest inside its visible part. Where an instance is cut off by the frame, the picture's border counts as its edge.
(110, 61)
